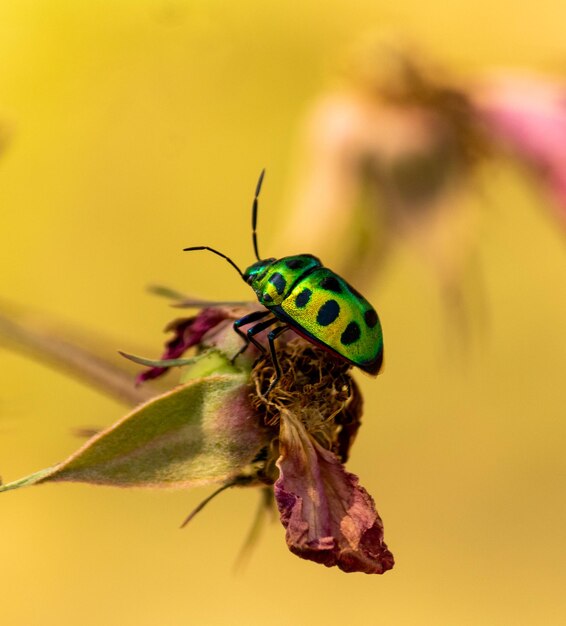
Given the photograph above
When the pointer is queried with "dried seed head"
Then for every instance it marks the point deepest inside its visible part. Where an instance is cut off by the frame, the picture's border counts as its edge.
(314, 387)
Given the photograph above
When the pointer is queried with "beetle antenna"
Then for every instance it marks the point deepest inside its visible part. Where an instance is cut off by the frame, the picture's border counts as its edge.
(219, 254)
(254, 213)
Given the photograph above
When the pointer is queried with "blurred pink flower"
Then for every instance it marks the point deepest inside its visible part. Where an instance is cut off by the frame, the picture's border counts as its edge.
(390, 157)
(526, 114)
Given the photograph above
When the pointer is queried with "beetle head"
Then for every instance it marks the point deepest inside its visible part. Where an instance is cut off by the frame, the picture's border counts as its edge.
(255, 272)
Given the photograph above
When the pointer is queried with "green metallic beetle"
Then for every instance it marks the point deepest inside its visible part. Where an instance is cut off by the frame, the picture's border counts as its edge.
(300, 293)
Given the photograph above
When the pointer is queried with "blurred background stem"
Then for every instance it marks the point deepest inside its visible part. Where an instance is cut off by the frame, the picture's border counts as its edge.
(29, 334)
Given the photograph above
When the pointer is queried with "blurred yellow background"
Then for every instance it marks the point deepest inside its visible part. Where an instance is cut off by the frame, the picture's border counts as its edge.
(138, 128)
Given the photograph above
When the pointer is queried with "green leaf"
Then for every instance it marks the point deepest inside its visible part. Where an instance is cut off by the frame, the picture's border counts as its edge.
(201, 432)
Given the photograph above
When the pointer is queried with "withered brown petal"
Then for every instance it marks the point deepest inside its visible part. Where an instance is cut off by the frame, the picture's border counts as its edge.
(329, 517)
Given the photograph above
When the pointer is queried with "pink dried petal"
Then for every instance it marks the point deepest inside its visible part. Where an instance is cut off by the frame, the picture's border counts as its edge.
(329, 517)
(188, 333)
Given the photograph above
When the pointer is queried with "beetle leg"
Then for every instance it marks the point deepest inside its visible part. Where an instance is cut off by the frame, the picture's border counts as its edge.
(247, 336)
(254, 330)
(271, 339)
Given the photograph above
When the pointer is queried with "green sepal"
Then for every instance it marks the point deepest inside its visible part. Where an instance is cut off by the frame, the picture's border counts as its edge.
(211, 361)
(202, 432)
(207, 363)
(140, 360)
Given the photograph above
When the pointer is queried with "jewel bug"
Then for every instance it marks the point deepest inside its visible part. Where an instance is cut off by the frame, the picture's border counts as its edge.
(299, 293)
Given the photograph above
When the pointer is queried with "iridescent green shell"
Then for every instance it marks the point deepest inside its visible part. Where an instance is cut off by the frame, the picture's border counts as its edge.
(321, 306)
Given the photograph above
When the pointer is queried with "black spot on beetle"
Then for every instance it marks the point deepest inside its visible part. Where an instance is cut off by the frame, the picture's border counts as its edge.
(328, 312)
(267, 298)
(295, 264)
(331, 283)
(303, 298)
(278, 281)
(351, 334)
(370, 318)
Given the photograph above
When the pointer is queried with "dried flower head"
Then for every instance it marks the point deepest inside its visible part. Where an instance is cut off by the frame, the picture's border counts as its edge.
(328, 516)
(220, 427)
